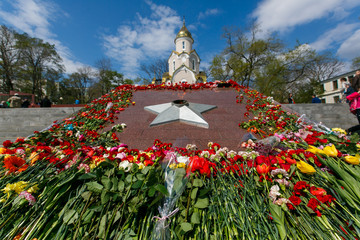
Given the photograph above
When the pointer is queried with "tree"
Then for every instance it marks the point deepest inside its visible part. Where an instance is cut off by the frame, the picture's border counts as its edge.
(266, 65)
(108, 78)
(38, 59)
(154, 69)
(356, 63)
(244, 55)
(76, 86)
(9, 57)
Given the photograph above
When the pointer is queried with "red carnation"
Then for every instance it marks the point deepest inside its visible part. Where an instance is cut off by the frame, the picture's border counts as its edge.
(295, 200)
(7, 143)
(313, 204)
(299, 186)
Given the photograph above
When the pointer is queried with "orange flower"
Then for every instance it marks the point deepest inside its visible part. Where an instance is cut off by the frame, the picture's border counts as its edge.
(262, 169)
(34, 157)
(14, 164)
(3, 150)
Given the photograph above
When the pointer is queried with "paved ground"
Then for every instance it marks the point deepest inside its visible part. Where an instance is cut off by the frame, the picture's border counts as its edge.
(223, 121)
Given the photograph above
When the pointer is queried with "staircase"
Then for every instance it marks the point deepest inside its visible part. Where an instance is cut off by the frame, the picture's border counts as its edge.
(331, 114)
(22, 122)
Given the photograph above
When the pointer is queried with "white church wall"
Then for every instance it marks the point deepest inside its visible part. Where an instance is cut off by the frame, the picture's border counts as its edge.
(184, 74)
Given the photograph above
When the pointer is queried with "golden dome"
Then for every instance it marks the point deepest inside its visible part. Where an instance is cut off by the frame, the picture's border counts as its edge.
(184, 32)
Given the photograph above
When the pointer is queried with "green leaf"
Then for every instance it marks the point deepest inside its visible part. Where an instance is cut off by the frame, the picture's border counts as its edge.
(114, 181)
(140, 176)
(137, 184)
(70, 216)
(105, 197)
(195, 218)
(202, 203)
(102, 226)
(86, 195)
(162, 189)
(94, 187)
(198, 182)
(194, 193)
(106, 182)
(151, 192)
(186, 227)
(87, 176)
(121, 186)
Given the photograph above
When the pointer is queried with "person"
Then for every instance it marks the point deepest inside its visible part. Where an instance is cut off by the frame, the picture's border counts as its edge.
(291, 99)
(348, 90)
(25, 103)
(315, 99)
(3, 104)
(15, 101)
(354, 100)
(355, 82)
(45, 102)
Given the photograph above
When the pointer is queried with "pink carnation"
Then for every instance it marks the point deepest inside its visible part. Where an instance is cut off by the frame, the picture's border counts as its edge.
(30, 198)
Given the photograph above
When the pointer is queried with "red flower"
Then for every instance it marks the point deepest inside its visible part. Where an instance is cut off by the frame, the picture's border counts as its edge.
(14, 164)
(313, 204)
(317, 191)
(295, 200)
(7, 143)
(262, 169)
(299, 186)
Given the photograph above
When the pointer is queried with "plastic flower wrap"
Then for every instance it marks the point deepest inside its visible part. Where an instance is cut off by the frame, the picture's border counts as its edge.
(176, 178)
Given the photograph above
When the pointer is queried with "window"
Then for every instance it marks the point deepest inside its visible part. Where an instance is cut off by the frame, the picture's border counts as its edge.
(335, 85)
(174, 64)
(193, 64)
(183, 43)
(336, 99)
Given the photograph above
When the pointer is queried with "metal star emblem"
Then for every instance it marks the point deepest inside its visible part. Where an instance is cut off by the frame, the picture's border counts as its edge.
(181, 111)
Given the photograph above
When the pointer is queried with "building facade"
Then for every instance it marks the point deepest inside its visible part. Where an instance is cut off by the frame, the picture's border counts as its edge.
(333, 88)
(184, 62)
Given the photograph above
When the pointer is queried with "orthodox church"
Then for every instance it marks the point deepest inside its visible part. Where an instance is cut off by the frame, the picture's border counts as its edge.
(184, 62)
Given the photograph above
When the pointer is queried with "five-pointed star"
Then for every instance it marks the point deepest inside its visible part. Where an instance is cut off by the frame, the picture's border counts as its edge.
(188, 113)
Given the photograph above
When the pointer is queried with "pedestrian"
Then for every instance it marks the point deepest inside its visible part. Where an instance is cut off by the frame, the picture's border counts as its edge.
(355, 82)
(315, 99)
(291, 99)
(45, 102)
(15, 101)
(348, 90)
(25, 103)
(354, 100)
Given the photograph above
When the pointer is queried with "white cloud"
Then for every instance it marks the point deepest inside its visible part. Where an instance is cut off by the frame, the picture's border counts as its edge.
(208, 12)
(282, 15)
(34, 18)
(350, 48)
(146, 39)
(334, 36)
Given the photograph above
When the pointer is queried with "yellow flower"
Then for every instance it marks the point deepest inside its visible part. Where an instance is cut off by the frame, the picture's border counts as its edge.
(355, 160)
(339, 130)
(34, 157)
(16, 187)
(305, 167)
(2, 150)
(33, 189)
(315, 150)
(331, 151)
(141, 165)
(181, 165)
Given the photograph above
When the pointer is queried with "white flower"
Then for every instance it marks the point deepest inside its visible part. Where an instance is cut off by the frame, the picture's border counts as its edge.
(274, 192)
(126, 165)
(281, 171)
(121, 155)
(280, 201)
(183, 159)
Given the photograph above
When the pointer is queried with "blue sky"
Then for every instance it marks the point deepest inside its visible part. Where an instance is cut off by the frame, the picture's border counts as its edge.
(138, 31)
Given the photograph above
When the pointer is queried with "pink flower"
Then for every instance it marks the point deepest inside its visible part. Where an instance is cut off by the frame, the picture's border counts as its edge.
(84, 166)
(30, 198)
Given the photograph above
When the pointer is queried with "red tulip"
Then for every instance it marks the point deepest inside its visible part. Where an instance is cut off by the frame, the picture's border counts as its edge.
(262, 169)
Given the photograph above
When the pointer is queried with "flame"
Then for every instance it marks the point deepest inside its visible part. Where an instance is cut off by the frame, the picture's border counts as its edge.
(181, 95)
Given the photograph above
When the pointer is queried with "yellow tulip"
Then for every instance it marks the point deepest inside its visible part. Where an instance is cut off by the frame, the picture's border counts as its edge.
(2, 150)
(331, 151)
(355, 160)
(305, 167)
(315, 150)
(339, 130)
